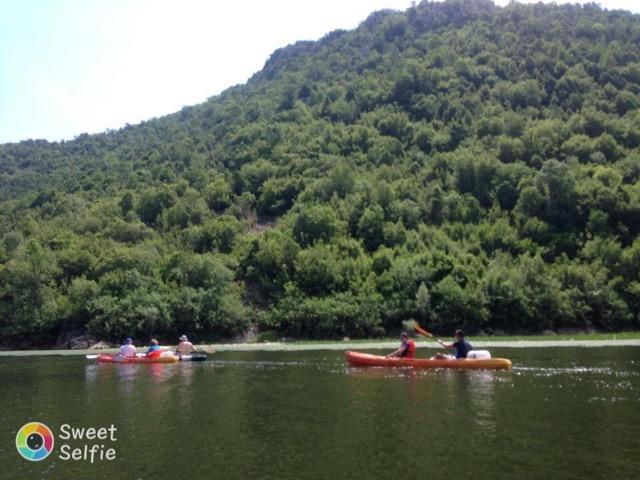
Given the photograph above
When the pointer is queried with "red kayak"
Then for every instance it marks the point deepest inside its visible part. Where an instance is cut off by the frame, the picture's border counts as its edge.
(357, 359)
(140, 358)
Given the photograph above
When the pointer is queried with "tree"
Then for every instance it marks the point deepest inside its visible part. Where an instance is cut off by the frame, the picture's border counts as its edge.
(317, 270)
(457, 307)
(126, 203)
(510, 149)
(268, 260)
(315, 223)
(525, 94)
(27, 291)
(371, 227)
(152, 203)
(218, 194)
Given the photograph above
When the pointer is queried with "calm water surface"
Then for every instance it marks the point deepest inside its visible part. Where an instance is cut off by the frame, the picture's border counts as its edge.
(566, 413)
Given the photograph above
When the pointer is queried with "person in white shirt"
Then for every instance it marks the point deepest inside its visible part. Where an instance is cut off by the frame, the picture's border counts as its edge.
(127, 349)
(185, 347)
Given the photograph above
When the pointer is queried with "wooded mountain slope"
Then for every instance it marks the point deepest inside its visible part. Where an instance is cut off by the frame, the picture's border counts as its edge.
(461, 163)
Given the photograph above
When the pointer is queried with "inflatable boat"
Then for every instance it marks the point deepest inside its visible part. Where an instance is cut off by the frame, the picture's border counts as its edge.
(166, 357)
(196, 357)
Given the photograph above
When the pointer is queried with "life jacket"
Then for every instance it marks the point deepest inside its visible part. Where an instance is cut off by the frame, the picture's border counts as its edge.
(410, 350)
(154, 354)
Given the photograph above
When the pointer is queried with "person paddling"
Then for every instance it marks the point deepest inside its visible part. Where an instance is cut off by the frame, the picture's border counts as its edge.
(127, 349)
(185, 347)
(407, 348)
(461, 346)
(154, 349)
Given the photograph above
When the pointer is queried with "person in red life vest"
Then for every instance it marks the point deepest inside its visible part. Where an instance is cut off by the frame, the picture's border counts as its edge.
(407, 348)
(154, 350)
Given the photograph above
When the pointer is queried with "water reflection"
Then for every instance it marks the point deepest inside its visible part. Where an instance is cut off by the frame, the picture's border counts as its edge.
(424, 391)
(479, 387)
(91, 373)
(162, 377)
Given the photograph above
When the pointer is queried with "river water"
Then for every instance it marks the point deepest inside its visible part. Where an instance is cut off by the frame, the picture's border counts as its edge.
(565, 413)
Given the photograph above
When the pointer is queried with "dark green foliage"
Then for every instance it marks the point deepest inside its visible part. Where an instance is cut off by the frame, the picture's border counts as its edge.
(461, 163)
(315, 223)
(218, 194)
(28, 297)
(152, 203)
(327, 317)
(268, 260)
(217, 234)
(126, 203)
(371, 227)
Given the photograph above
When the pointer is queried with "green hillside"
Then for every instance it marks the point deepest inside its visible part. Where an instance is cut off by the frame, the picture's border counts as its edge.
(461, 163)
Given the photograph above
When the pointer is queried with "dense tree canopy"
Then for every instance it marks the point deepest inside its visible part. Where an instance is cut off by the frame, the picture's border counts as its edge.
(461, 163)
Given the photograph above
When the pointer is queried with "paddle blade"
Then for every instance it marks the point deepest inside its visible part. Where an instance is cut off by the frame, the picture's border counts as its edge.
(422, 331)
(413, 326)
(410, 325)
(91, 357)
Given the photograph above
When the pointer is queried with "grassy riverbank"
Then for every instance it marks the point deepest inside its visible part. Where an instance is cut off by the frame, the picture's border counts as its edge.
(507, 341)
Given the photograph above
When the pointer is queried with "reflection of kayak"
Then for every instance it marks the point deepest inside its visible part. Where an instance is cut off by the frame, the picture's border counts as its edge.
(196, 357)
(139, 358)
(357, 359)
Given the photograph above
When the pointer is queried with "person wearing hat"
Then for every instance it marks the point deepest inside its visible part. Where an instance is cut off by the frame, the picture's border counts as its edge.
(185, 347)
(127, 349)
(407, 348)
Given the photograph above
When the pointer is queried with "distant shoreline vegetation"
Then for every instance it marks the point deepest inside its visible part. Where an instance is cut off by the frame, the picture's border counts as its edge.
(459, 163)
(507, 341)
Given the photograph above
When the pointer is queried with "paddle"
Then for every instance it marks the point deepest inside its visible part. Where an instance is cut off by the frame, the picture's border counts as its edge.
(413, 325)
(202, 351)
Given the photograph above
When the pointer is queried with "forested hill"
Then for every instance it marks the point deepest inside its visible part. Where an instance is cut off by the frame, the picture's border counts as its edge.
(461, 163)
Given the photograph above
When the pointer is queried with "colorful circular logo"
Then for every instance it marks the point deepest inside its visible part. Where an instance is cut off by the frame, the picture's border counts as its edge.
(34, 441)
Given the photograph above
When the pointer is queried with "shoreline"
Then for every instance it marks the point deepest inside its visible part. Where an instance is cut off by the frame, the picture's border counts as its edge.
(345, 345)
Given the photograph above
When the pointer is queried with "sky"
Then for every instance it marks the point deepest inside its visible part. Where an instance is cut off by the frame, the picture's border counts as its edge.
(73, 66)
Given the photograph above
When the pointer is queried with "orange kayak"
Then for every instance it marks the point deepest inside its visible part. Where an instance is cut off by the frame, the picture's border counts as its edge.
(137, 359)
(357, 359)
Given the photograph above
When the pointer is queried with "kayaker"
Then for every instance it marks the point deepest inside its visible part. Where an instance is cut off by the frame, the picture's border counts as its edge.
(407, 348)
(127, 349)
(185, 347)
(461, 346)
(153, 348)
